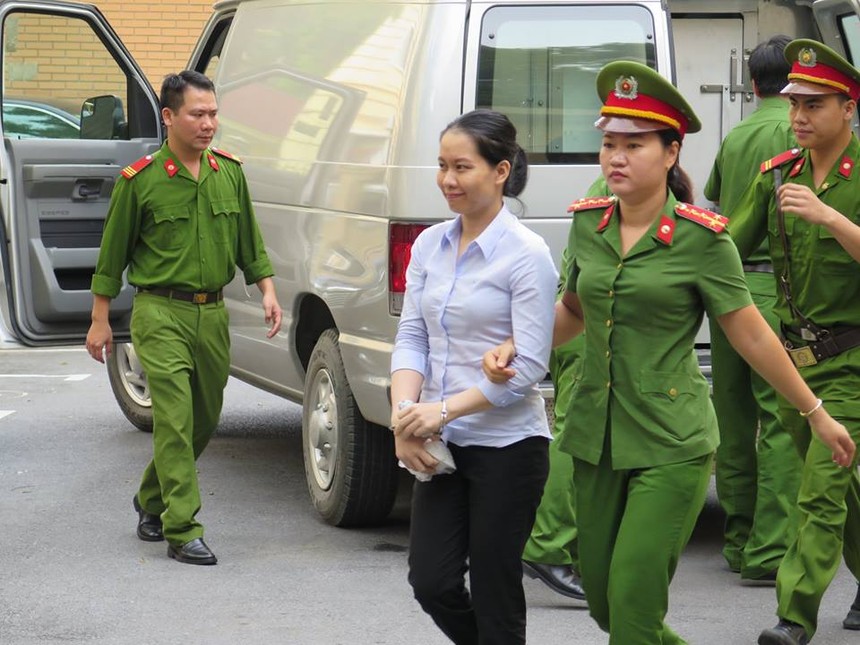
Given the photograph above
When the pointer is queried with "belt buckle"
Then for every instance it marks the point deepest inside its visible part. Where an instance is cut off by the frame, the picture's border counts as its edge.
(199, 298)
(802, 356)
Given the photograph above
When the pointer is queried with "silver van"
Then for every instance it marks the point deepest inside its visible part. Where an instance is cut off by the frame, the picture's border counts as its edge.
(336, 108)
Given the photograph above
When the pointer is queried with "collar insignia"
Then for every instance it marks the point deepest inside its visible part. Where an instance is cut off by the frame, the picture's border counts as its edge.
(171, 167)
(666, 229)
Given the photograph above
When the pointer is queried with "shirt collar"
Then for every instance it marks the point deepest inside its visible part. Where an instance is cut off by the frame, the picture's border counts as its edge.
(171, 165)
(489, 237)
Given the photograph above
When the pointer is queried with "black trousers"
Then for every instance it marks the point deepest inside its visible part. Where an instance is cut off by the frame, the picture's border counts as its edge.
(477, 519)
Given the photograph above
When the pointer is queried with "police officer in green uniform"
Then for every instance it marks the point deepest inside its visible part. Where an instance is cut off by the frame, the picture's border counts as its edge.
(757, 467)
(641, 427)
(806, 204)
(181, 220)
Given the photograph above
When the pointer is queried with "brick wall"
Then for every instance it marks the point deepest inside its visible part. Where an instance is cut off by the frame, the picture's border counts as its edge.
(160, 34)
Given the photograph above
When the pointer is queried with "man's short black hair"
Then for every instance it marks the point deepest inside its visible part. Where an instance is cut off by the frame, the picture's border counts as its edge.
(768, 67)
(174, 85)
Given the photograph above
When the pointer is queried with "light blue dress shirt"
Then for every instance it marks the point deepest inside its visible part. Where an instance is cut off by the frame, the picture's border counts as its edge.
(455, 309)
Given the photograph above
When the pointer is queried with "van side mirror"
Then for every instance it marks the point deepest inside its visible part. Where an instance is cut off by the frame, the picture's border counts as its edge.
(102, 117)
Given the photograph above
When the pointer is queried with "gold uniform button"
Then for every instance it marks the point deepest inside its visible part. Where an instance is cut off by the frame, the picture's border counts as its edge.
(609, 323)
(620, 264)
(607, 354)
(611, 293)
(609, 385)
(673, 392)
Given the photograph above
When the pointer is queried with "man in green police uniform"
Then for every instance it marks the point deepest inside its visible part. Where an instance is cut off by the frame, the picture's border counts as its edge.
(811, 224)
(757, 468)
(181, 220)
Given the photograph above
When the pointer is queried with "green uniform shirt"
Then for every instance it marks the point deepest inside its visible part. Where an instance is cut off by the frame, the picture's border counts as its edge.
(825, 279)
(640, 376)
(171, 230)
(762, 135)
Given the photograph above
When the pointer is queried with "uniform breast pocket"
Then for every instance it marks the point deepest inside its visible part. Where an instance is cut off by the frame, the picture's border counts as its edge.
(171, 229)
(225, 220)
(675, 400)
(832, 256)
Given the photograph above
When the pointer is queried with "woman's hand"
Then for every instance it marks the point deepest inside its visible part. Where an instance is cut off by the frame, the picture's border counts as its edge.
(422, 420)
(834, 435)
(413, 453)
(496, 361)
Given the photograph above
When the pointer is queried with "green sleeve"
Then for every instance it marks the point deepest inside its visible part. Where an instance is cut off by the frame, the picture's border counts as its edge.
(721, 281)
(748, 220)
(252, 257)
(714, 183)
(120, 235)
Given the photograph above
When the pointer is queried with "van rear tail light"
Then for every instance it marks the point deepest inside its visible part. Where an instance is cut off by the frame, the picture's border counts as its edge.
(401, 235)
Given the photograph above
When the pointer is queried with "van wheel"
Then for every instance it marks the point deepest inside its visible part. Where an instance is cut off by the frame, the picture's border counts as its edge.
(349, 462)
(130, 389)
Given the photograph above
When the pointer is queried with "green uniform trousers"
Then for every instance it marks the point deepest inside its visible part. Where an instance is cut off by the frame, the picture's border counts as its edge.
(633, 525)
(828, 501)
(185, 350)
(757, 469)
(553, 539)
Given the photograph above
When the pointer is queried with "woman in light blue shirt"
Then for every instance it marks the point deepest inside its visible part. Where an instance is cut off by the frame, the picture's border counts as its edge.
(472, 282)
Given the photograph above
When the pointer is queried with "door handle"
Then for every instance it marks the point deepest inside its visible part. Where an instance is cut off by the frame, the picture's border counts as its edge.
(86, 189)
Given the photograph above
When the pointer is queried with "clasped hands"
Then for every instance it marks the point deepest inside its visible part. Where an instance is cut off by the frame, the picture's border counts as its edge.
(412, 428)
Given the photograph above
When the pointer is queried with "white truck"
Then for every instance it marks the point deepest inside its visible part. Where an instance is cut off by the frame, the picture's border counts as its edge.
(336, 107)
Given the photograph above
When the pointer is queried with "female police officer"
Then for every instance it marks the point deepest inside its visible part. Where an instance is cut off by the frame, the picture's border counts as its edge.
(641, 427)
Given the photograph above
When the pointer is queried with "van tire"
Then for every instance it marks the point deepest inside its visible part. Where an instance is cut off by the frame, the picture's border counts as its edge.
(349, 463)
(128, 382)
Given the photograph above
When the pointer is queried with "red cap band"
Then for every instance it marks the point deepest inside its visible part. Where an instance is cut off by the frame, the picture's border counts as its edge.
(825, 75)
(645, 107)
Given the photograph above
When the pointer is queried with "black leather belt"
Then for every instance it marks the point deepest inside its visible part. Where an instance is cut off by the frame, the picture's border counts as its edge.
(199, 298)
(761, 267)
(832, 343)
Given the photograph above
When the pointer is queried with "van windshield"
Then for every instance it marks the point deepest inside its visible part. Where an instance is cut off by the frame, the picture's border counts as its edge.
(538, 65)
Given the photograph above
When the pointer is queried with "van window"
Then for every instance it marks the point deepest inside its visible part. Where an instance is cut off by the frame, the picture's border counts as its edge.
(849, 26)
(538, 65)
(51, 66)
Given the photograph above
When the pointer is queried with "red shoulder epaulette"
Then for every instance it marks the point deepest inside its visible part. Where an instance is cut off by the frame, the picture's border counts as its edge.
(703, 217)
(226, 155)
(589, 203)
(780, 159)
(132, 169)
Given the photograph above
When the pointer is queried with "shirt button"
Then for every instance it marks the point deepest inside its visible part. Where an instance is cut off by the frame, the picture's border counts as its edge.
(608, 354)
(609, 385)
(609, 323)
(673, 392)
(620, 264)
(611, 293)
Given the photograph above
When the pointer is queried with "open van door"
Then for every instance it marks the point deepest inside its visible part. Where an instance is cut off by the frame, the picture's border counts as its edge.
(839, 24)
(76, 109)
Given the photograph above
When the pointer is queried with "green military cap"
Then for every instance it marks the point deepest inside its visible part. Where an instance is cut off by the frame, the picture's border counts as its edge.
(817, 69)
(638, 99)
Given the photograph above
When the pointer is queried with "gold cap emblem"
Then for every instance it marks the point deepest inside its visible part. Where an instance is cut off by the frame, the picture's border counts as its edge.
(626, 87)
(807, 57)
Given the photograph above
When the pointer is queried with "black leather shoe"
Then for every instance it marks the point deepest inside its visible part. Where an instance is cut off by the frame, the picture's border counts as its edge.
(193, 552)
(785, 633)
(148, 525)
(764, 580)
(852, 620)
(558, 577)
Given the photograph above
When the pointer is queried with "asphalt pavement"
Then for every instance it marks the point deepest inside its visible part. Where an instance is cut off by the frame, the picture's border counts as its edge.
(72, 570)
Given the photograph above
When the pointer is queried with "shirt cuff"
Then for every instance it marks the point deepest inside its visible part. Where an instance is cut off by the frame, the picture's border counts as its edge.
(499, 394)
(257, 270)
(103, 285)
(407, 359)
